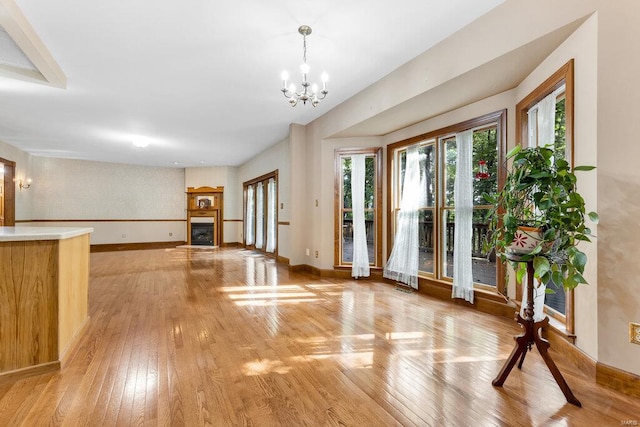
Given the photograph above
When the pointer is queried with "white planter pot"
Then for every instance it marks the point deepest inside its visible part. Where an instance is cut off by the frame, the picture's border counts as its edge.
(525, 240)
(539, 292)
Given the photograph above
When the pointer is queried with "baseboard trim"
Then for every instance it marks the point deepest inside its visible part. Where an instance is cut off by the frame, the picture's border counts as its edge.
(342, 273)
(304, 268)
(72, 346)
(18, 374)
(483, 301)
(617, 379)
(376, 274)
(232, 245)
(111, 247)
(282, 260)
(563, 344)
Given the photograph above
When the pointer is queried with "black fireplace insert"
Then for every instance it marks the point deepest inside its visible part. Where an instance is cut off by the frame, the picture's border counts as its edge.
(202, 234)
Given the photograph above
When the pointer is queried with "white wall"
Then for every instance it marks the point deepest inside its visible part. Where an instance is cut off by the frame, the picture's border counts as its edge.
(101, 195)
(277, 157)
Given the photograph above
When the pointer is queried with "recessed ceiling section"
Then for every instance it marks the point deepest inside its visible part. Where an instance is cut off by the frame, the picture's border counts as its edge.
(498, 75)
(22, 54)
(11, 55)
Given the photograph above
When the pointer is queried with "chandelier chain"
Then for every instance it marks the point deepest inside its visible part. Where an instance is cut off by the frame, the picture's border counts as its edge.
(304, 49)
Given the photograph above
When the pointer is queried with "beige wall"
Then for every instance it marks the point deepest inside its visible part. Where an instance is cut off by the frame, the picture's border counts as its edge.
(299, 221)
(277, 157)
(80, 189)
(618, 127)
(65, 189)
(582, 47)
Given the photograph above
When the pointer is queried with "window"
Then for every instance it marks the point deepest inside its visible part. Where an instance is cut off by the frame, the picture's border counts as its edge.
(261, 212)
(558, 305)
(343, 250)
(438, 156)
(485, 155)
(426, 211)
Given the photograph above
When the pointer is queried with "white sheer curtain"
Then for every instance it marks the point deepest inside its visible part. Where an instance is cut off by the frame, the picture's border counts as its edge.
(259, 215)
(402, 265)
(272, 215)
(463, 202)
(542, 121)
(249, 219)
(360, 264)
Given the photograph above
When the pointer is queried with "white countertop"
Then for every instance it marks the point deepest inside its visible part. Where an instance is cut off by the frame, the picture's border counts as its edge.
(20, 233)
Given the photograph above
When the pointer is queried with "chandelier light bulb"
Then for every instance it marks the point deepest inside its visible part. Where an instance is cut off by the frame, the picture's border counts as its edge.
(304, 68)
(284, 76)
(314, 88)
(324, 77)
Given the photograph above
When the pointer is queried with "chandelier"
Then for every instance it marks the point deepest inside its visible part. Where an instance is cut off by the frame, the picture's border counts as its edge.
(309, 91)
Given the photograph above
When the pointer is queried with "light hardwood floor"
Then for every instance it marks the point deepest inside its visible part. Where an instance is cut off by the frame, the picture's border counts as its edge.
(227, 337)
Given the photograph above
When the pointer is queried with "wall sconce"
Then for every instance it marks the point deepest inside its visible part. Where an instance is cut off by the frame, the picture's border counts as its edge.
(24, 186)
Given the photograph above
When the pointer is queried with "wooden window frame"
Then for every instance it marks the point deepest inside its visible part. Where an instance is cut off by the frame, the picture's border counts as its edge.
(395, 203)
(376, 152)
(563, 76)
(500, 118)
(265, 181)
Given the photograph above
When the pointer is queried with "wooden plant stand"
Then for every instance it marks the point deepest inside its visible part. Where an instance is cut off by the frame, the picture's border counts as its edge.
(525, 342)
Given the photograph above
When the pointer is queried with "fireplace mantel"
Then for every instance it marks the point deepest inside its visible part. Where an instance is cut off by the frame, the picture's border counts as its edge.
(205, 205)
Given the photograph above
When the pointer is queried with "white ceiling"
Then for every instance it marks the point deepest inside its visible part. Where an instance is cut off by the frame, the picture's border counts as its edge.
(202, 78)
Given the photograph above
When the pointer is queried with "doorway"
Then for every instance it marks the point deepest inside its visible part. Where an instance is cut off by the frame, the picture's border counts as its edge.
(7, 193)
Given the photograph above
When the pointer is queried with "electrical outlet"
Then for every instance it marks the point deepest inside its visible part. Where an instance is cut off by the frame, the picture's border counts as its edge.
(634, 333)
(281, 205)
(170, 234)
(316, 203)
(316, 254)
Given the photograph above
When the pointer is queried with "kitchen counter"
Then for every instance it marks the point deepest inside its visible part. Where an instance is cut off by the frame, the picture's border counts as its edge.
(15, 234)
(44, 282)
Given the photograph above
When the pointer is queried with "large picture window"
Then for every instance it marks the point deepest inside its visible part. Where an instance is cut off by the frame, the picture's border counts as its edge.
(344, 244)
(438, 152)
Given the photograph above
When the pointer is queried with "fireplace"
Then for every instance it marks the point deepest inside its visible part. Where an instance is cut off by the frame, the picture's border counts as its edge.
(202, 234)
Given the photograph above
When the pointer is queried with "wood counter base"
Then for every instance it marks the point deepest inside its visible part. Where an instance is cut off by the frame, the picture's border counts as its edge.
(43, 302)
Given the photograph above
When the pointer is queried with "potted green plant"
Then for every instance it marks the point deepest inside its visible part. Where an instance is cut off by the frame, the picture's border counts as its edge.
(539, 216)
